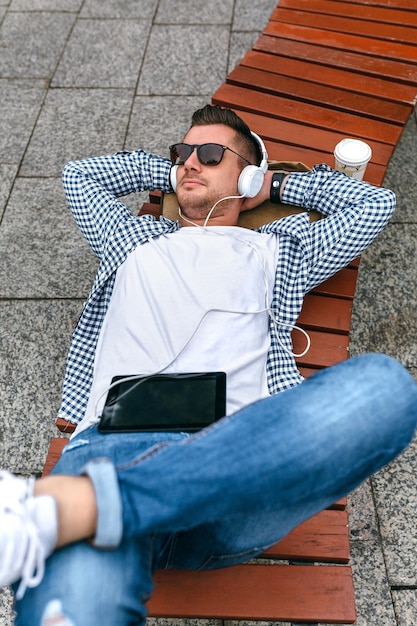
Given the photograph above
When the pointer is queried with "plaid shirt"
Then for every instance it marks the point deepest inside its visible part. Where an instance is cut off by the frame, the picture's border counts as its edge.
(309, 252)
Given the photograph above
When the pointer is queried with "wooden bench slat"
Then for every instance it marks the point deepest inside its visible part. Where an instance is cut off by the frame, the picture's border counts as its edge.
(291, 43)
(323, 538)
(284, 152)
(368, 12)
(346, 79)
(348, 26)
(326, 348)
(324, 94)
(366, 46)
(323, 313)
(342, 284)
(56, 446)
(257, 592)
(277, 107)
(317, 140)
(281, 135)
(397, 4)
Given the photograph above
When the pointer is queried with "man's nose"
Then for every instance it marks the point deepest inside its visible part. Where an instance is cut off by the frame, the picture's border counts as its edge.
(192, 163)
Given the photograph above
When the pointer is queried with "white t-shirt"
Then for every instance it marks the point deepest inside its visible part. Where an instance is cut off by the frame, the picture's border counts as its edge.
(190, 301)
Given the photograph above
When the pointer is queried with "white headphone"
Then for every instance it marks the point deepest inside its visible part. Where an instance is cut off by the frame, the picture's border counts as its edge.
(251, 177)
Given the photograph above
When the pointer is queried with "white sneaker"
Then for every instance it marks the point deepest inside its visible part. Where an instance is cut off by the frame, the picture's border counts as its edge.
(28, 532)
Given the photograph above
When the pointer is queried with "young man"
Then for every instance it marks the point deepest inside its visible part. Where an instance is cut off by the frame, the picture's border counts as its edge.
(195, 296)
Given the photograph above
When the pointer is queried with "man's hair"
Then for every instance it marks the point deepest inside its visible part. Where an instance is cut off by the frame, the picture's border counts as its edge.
(214, 114)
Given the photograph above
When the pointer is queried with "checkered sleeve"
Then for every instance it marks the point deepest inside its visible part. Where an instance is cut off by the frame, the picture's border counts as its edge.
(93, 186)
(355, 213)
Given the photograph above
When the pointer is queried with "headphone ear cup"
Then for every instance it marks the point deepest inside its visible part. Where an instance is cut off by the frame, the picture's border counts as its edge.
(250, 181)
(173, 177)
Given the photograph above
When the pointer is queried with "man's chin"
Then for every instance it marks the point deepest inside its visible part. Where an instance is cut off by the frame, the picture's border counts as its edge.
(192, 206)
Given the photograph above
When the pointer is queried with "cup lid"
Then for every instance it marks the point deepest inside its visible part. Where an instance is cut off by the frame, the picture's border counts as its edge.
(353, 151)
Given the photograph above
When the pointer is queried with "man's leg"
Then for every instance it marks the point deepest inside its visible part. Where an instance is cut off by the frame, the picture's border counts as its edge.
(288, 456)
(83, 586)
(292, 454)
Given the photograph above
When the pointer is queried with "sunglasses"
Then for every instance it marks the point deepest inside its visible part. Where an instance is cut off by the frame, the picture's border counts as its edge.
(207, 153)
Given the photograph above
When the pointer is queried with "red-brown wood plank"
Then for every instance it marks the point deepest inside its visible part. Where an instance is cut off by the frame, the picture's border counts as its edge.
(292, 42)
(284, 152)
(150, 208)
(305, 137)
(341, 284)
(328, 39)
(56, 446)
(406, 5)
(268, 105)
(326, 348)
(324, 313)
(257, 592)
(346, 79)
(367, 12)
(64, 426)
(322, 538)
(393, 33)
(325, 94)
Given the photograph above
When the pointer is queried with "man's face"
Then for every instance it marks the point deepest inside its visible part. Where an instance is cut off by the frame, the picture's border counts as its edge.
(199, 186)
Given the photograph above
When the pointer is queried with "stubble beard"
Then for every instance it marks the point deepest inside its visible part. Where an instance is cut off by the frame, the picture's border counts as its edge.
(195, 207)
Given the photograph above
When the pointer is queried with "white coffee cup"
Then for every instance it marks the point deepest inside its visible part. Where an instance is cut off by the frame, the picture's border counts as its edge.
(352, 156)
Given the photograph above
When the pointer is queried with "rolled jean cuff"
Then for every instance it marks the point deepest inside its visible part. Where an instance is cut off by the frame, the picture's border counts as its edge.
(102, 474)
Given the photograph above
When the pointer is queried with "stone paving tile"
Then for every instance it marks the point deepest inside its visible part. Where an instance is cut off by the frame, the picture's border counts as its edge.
(20, 102)
(395, 496)
(386, 299)
(196, 74)
(363, 523)
(46, 5)
(249, 15)
(31, 43)
(6, 612)
(405, 606)
(372, 592)
(240, 43)
(167, 621)
(195, 12)
(7, 175)
(259, 623)
(402, 174)
(38, 227)
(143, 9)
(158, 122)
(76, 123)
(34, 340)
(89, 60)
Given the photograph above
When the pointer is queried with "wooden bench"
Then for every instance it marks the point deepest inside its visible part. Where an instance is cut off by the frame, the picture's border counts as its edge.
(321, 70)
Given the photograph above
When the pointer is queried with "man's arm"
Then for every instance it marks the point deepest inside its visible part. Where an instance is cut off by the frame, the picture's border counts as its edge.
(93, 186)
(355, 213)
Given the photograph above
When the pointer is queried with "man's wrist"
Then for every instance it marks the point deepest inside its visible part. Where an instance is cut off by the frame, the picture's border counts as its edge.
(276, 184)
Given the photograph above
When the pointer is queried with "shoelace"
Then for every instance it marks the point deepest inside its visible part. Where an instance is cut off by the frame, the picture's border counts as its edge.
(34, 565)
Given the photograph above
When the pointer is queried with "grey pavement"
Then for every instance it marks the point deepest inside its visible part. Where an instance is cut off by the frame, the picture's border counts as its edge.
(84, 77)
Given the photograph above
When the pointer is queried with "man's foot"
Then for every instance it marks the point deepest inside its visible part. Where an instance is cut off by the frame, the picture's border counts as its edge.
(28, 532)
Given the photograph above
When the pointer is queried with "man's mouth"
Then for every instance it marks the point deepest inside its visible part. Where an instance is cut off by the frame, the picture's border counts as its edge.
(192, 182)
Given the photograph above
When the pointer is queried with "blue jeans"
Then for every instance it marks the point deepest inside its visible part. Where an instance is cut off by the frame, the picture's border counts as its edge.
(223, 495)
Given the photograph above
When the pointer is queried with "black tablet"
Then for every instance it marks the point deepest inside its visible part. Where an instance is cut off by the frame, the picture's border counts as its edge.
(164, 402)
